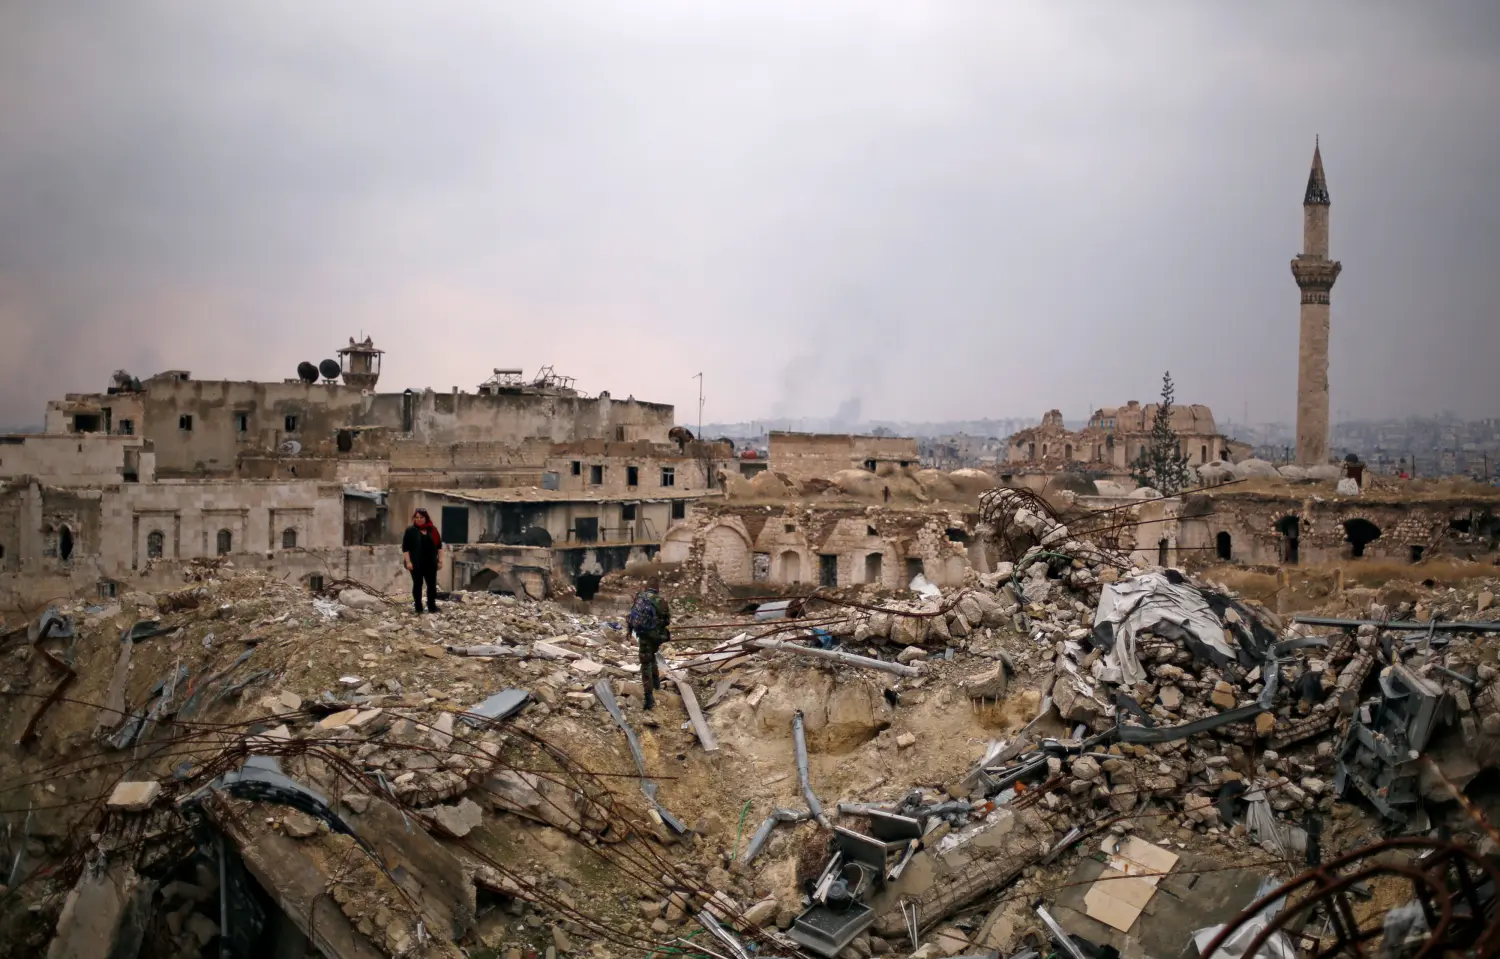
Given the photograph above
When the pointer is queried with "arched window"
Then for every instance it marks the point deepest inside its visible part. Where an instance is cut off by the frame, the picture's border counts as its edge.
(155, 543)
(1204, 454)
(288, 539)
(226, 541)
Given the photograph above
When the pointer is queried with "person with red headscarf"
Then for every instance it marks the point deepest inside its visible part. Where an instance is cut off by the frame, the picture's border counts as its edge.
(422, 552)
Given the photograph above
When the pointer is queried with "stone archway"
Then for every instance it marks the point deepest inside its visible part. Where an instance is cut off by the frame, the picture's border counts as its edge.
(789, 566)
(1290, 529)
(1224, 546)
(727, 550)
(1359, 533)
(676, 545)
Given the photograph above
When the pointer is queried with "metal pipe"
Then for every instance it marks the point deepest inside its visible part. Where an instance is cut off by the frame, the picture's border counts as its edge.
(813, 806)
(1447, 626)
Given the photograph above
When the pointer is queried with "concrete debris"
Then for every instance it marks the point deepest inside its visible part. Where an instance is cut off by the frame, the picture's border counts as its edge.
(983, 741)
(134, 796)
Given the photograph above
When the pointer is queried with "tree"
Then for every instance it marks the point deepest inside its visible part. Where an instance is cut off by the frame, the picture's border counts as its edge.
(1162, 465)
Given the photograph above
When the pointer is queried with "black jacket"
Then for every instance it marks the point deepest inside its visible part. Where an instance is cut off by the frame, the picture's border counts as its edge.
(418, 544)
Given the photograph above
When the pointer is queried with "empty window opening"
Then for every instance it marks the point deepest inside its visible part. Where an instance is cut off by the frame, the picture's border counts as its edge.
(679, 509)
(1460, 525)
(577, 467)
(1161, 552)
(127, 427)
(289, 539)
(632, 476)
(789, 527)
(874, 566)
(291, 424)
(344, 441)
(107, 589)
(2, 550)
(1290, 528)
(225, 542)
(828, 570)
(1224, 546)
(1044, 450)
(1360, 533)
(870, 465)
(668, 476)
(155, 543)
(185, 422)
(596, 475)
(956, 535)
(1203, 455)
(242, 422)
(65, 544)
(1416, 552)
(84, 423)
(1031, 451)
(871, 531)
(627, 512)
(315, 582)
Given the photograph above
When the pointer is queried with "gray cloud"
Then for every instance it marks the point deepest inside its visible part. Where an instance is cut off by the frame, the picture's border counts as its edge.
(917, 211)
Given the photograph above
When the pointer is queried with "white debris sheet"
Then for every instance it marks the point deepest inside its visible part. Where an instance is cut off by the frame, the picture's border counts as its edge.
(1133, 606)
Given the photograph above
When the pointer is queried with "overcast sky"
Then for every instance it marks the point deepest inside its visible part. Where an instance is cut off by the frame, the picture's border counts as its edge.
(920, 209)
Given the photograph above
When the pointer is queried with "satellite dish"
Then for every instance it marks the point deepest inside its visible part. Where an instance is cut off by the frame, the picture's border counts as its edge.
(289, 448)
(306, 372)
(329, 369)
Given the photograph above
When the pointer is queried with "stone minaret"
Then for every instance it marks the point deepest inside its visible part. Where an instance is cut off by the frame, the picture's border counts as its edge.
(1315, 274)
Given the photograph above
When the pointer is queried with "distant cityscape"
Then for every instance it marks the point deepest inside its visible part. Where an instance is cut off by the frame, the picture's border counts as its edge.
(1418, 446)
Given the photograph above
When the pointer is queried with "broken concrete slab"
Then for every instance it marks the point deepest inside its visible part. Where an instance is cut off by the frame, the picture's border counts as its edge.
(134, 796)
(104, 915)
(458, 820)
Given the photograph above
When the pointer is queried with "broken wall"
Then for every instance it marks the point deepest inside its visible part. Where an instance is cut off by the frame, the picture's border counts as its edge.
(196, 424)
(805, 456)
(77, 459)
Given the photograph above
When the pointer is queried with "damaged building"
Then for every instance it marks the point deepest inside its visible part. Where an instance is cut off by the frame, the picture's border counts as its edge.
(315, 477)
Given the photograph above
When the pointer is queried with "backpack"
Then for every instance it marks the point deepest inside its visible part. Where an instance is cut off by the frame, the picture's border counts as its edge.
(643, 619)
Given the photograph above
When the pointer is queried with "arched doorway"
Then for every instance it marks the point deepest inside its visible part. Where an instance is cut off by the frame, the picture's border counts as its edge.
(1359, 533)
(1224, 545)
(873, 567)
(65, 544)
(791, 567)
(1290, 528)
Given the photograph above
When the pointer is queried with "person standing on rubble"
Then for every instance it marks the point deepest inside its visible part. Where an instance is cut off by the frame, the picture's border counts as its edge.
(422, 552)
(649, 618)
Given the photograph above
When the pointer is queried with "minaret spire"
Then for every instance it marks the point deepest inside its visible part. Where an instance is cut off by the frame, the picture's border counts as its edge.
(1317, 185)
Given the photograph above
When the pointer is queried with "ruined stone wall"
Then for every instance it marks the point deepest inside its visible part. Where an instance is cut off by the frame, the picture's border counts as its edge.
(694, 468)
(115, 529)
(78, 459)
(209, 439)
(1257, 527)
(787, 546)
(805, 456)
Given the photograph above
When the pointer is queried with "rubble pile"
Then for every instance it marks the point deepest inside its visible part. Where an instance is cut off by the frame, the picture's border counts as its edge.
(488, 777)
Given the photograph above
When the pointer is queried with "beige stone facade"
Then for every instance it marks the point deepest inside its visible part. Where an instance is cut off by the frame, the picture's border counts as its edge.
(805, 456)
(812, 545)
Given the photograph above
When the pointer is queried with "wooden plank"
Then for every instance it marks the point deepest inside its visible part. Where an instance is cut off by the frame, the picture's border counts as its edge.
(690, 701)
